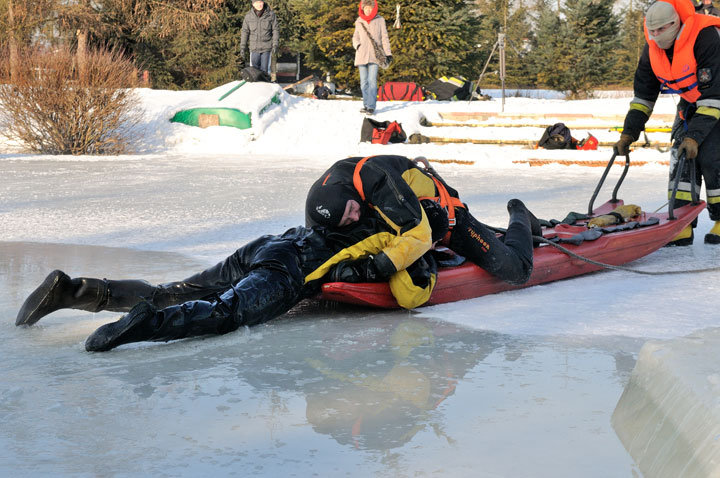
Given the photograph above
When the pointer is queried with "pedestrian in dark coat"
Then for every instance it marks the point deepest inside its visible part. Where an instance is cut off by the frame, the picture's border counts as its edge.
(260, 32)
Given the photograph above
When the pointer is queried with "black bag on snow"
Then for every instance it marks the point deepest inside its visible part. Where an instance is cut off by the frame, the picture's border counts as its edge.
(252, 74)
(382, 132)
(452, 88)
(321, 92)
(557, 136)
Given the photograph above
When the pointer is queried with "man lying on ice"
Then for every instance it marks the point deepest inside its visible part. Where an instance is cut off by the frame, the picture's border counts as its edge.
(259, 282)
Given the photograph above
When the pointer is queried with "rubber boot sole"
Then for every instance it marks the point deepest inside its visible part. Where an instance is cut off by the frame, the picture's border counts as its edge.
(36, 306)
(712, 239)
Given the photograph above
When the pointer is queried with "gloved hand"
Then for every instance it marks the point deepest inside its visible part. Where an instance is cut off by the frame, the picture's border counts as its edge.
(622, 147)
(389, 59)
(362, 270)
(688, 146)
(617, 216)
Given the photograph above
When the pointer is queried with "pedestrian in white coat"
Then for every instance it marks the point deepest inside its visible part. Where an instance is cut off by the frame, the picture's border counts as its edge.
(370, 40)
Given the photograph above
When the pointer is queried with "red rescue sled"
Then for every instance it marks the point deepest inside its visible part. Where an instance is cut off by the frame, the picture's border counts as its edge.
(468, 281)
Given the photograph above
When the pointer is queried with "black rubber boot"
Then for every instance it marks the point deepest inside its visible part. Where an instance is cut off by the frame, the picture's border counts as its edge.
(145, 323)
(519, 237)
(535, 227)
(59, 291)
(136, 326)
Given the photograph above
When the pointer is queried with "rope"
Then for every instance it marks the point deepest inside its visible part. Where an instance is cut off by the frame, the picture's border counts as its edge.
(604, 265)
(620, 268)
(397, 25)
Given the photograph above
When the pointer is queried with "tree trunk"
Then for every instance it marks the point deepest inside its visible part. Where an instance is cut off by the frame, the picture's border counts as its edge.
(81, 55)
(12, 44)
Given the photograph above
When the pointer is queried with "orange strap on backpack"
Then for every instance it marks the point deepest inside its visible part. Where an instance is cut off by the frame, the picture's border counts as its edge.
(357, 182)
(448, 202)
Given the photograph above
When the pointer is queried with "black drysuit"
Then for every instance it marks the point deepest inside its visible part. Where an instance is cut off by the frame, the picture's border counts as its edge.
(259, 282)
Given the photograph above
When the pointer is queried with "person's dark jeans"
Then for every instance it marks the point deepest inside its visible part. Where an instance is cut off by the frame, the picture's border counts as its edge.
(261, 60)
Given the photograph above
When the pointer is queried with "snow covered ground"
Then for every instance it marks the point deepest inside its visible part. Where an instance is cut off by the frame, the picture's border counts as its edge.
(517, 384)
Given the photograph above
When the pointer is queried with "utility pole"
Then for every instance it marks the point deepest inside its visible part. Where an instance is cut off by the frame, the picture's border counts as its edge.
(501, 52)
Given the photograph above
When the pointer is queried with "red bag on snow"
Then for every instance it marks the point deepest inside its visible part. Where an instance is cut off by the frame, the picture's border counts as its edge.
(589, 143)
(401, 91)
(382, 132)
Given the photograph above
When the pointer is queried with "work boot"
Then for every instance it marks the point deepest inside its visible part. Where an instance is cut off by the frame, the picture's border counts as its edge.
(713, 237)
(146, 323)
(59, 291)
(684, 238)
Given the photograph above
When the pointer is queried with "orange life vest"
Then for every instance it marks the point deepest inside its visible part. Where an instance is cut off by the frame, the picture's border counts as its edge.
(681, 76)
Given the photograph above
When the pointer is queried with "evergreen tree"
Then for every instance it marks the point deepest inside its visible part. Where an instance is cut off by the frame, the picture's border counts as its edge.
(633, 40)
(204, 58)
(511, 18)
(326, 42)
(581, 54)
(436, 38)
(546, 57)
(291, 27)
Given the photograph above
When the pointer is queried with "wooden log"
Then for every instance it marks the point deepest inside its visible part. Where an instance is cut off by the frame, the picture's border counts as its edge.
(590, 163)
(533, 143)
(484, 116)
(309, 77)
(659, 129)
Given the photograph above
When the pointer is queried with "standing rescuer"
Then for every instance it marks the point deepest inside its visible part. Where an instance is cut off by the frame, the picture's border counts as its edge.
(682, 56)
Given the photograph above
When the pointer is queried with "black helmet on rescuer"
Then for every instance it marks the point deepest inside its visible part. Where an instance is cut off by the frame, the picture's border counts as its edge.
(325, 203)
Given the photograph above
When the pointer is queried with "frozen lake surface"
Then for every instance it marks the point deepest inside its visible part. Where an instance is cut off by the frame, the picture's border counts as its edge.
(516, 384)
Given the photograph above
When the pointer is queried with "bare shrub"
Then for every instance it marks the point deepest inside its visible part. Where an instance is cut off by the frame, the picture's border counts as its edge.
(50, 108)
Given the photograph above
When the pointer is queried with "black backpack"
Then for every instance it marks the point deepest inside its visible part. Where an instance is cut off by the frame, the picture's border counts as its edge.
(321, 92)
(557, 136)
(252, 74)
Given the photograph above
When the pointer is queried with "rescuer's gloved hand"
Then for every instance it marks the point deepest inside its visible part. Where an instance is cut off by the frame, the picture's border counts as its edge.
(690, 147)
(622, 147)
(362, 270)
